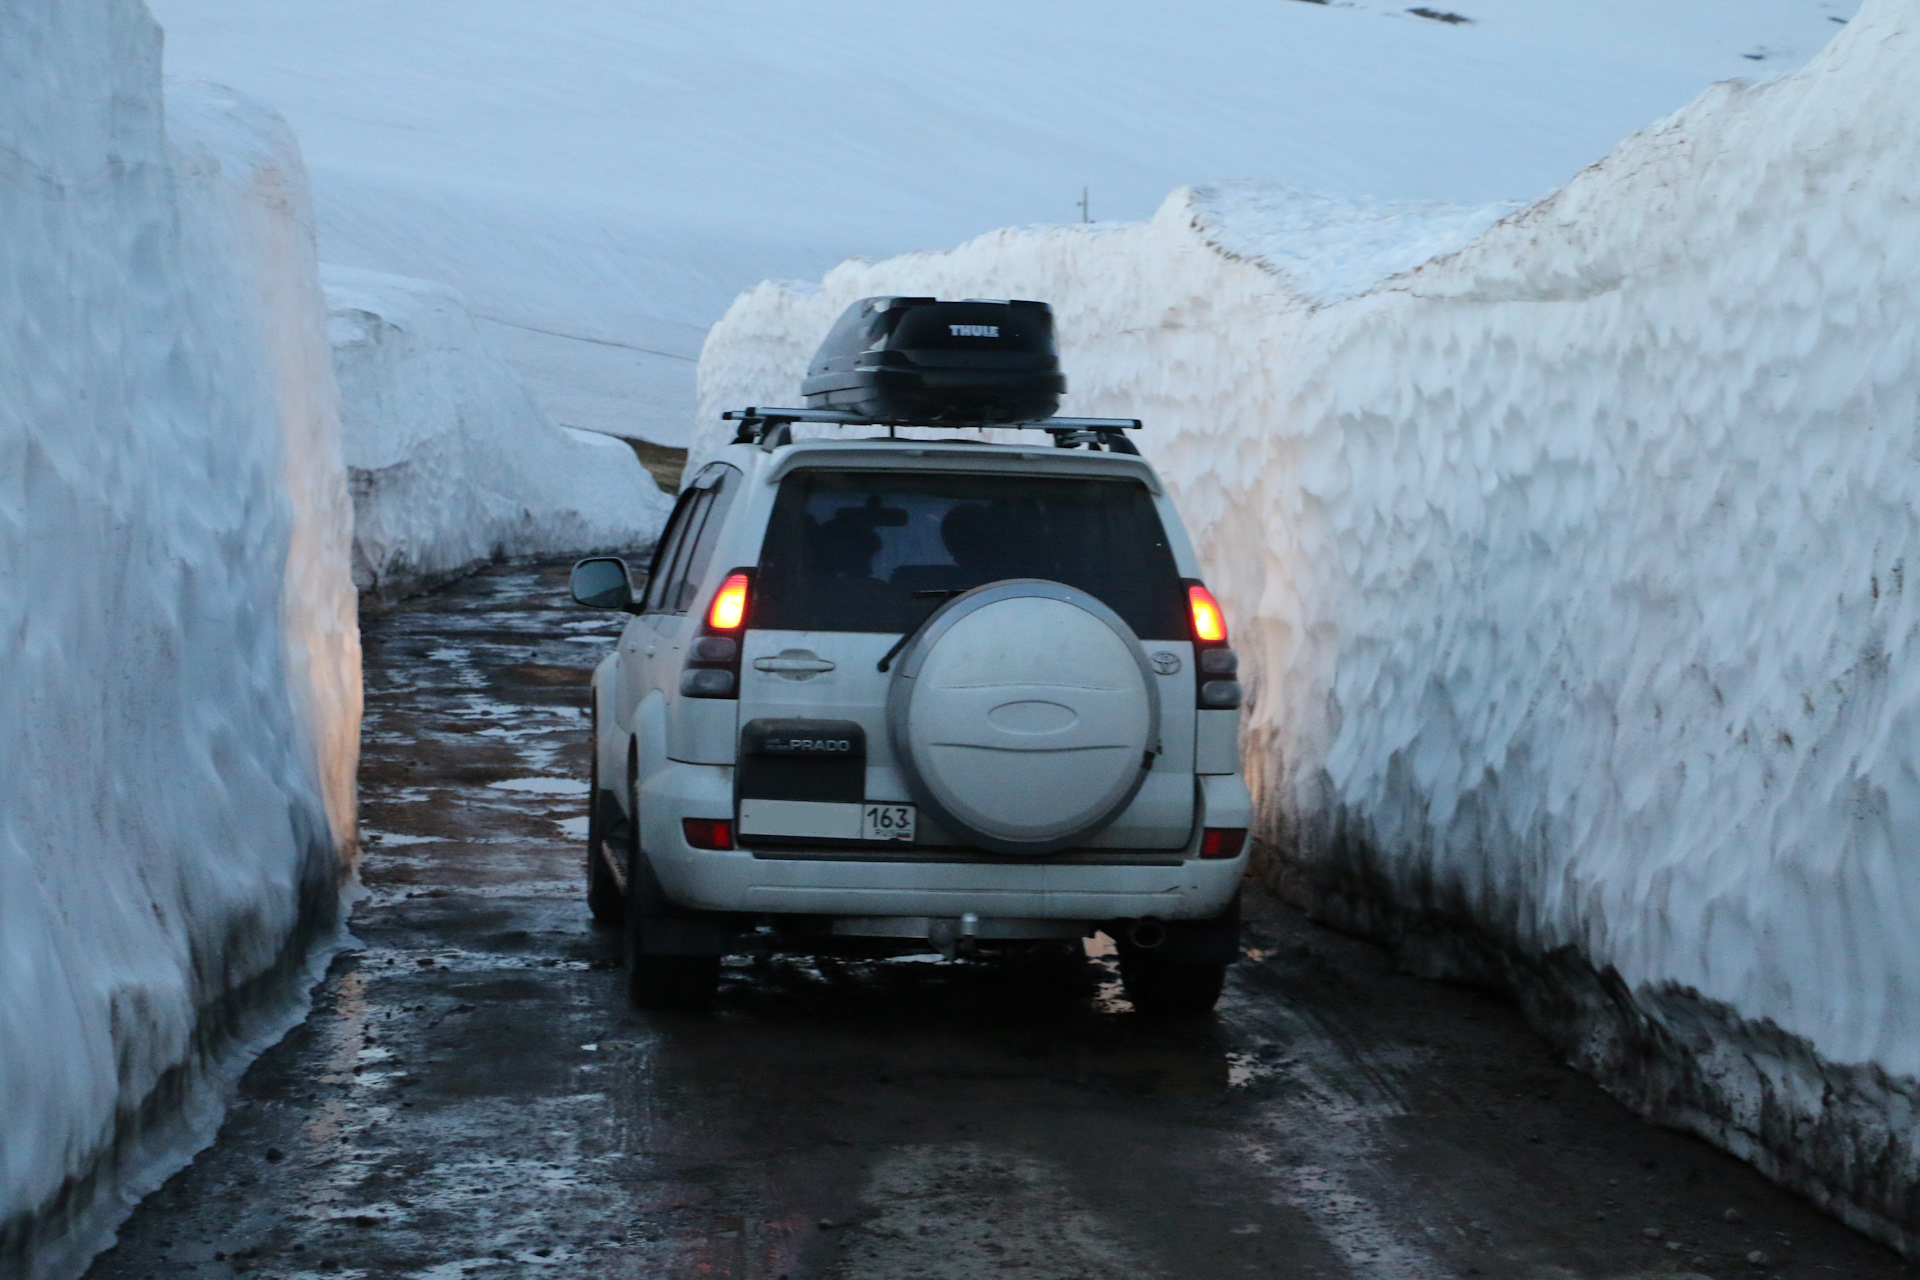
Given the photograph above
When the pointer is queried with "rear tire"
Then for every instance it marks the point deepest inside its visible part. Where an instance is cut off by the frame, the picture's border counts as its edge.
(684, 983)
(605, 901)
(1160, 987)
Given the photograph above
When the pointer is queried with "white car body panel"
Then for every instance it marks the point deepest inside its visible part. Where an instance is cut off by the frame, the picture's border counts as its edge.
(1172, 887)
(1144, 864)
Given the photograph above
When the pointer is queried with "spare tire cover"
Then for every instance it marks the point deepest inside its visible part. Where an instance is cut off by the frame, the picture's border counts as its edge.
(1024, 715)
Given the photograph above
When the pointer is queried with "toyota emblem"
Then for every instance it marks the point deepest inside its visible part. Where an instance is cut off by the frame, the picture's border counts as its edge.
(1166, 663)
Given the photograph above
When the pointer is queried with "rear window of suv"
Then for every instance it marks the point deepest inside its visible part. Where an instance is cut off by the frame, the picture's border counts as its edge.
(877, 551)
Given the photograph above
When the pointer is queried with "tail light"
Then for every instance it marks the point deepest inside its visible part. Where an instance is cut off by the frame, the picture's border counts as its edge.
(729, 608)
(1214, 686)
(712, 833)
(1209, 624)
(1222, 842)
(713, 657)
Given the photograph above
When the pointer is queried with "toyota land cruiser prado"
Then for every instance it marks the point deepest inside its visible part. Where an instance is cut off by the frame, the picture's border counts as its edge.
(882, 694)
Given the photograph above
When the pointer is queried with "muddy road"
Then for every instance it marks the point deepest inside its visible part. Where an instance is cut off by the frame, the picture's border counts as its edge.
(471, 1096)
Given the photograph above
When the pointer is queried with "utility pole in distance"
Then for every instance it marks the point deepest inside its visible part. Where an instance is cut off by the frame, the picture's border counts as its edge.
(1084, 217)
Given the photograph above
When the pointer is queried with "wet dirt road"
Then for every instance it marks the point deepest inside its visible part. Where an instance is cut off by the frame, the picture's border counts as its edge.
(471, 1097)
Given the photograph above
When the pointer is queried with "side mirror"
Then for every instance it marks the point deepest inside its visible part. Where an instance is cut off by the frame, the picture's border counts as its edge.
(602, 583)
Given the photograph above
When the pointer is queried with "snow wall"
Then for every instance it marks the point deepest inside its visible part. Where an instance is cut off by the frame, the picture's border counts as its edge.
(452, 463)
(179, 665)
(1570, 571)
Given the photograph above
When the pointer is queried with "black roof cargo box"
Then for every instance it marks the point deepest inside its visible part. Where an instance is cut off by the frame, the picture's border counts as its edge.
(954, 363)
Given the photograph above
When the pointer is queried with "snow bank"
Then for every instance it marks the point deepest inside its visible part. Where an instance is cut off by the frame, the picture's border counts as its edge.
(180, 703)
(1570, 568)
(452, 463)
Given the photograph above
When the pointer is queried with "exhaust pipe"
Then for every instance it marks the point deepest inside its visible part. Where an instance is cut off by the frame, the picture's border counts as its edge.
(1146, 934)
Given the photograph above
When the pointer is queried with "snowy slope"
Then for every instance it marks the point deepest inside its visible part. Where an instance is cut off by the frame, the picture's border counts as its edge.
(180, 702)
(1571, 572)
(599, 179)
(451, 462)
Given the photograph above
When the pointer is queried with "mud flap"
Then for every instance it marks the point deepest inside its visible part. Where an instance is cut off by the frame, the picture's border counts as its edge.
(1215, 941)
(608, 833)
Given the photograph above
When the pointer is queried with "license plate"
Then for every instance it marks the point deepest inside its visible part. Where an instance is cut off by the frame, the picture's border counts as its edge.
(887, 822)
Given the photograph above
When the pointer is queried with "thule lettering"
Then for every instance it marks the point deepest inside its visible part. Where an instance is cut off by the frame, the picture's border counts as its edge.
(974, 330)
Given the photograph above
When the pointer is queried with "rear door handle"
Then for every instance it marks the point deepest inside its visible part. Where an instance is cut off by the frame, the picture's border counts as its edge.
(813, 665)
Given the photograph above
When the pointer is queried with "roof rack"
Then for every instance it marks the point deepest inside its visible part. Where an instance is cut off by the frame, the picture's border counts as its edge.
(771, 428)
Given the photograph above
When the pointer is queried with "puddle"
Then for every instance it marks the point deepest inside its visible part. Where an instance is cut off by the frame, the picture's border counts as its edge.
(374, 962)
(393, 839)
(1109, 995)
(542, 786)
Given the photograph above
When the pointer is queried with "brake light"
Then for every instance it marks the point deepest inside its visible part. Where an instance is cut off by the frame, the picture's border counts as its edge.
(1222, 842)
(710, 833)
(729, 608)
(1209, 624)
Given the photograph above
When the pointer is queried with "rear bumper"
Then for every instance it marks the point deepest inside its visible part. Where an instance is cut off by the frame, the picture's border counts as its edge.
(1180, 888)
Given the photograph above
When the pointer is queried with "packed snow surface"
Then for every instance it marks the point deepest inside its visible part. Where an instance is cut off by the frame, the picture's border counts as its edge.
(1570, 568)
(452, 462)
(180, 702)
(600, 178)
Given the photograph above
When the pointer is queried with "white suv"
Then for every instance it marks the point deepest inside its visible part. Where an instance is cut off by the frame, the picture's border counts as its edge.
(884, 695)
